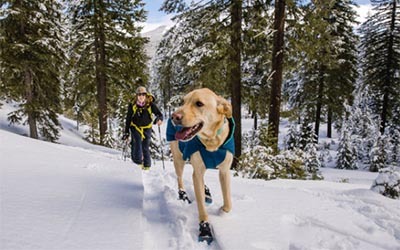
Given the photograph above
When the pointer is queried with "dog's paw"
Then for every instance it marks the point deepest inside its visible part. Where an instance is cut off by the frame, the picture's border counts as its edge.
(225, 210)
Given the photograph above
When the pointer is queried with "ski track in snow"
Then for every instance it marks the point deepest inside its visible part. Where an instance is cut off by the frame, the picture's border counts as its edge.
(165, 214)
(383, 217)
(364, 208)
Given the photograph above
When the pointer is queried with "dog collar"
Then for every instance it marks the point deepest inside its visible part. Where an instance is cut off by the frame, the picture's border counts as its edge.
(219, 131)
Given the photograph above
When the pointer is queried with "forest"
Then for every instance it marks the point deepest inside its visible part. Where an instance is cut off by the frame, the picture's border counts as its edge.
(306, 61)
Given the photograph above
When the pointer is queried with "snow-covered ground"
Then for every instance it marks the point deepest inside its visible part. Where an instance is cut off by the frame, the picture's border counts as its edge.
(74, 195)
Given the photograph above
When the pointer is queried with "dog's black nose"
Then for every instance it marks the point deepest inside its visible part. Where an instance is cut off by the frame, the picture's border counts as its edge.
(177, 118)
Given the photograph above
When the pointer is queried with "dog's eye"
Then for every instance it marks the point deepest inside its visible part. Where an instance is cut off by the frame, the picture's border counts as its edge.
(199, 104)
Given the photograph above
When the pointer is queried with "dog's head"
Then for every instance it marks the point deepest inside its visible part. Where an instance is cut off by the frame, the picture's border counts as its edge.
(202, 112)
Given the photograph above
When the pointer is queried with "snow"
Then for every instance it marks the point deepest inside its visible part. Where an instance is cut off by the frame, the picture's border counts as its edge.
(155, 37)
(74, 195)
(363, 10)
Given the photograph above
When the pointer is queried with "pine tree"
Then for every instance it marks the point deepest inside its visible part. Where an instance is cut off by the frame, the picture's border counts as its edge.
(292, 137)
(107, 54)
(307, 135)
(192, 54)
(311, 161)
(342, 77)
(347, 153)
(257, 45)
(326, 61)
(263, 136)
(364, 125)
(381, 58)
(378, 154)
(395, 146)
(31, 60)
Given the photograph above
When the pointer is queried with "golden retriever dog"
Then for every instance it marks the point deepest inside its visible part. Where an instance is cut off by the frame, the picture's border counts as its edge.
(201, 131)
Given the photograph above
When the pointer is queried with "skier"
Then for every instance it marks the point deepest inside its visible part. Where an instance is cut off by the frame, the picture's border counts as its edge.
(139, 123)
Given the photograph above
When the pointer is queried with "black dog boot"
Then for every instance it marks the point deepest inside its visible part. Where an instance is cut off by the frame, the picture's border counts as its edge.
(182, 195)
(205, 232)
(208, 198)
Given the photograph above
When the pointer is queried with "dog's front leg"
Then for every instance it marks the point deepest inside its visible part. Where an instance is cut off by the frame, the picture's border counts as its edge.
(199, 170)
(225, 181)
(179, 163)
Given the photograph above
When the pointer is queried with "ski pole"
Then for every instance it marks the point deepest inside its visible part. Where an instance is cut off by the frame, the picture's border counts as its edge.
(125, 150)
(162, 151)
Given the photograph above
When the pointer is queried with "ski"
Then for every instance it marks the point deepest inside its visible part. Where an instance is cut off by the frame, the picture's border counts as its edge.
(205, 234)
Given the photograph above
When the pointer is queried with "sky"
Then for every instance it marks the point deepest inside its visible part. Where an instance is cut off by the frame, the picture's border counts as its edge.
(156, 18)
(74, 195)
(154, 15)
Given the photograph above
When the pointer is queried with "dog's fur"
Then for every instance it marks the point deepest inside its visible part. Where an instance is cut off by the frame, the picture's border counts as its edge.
(204, 106)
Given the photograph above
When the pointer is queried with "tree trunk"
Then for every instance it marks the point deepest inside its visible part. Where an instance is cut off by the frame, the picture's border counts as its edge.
(384, 110)
(100, 71)
(389, 71)
(319, 103)
(277, 70)
(235, 73)
(29, 95)
(255, 121)
(329, 123)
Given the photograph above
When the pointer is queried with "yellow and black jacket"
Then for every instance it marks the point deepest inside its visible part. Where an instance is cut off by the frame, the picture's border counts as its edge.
(141, 117)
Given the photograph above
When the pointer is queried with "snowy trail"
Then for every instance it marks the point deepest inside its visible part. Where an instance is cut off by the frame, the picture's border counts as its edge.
(156, 216)
(329, 220)
(167, 215)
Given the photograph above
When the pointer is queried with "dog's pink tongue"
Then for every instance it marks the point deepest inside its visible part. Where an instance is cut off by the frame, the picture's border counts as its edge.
(182, 134)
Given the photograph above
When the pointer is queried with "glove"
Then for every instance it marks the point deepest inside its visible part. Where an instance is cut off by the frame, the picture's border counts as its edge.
(125, 137)
(157, 121)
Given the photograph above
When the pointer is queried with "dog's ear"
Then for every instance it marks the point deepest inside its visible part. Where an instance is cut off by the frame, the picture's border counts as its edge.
(224, 107)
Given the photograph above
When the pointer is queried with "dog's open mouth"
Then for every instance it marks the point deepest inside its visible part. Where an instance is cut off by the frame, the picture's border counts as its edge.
(187, 133)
